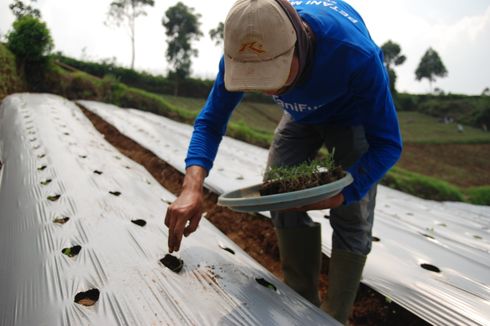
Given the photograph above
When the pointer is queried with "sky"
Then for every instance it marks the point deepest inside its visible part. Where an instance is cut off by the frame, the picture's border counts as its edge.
(459, 31)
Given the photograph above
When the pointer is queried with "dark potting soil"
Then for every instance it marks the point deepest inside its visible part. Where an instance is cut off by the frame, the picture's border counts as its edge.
(173, 263)
(281, 186)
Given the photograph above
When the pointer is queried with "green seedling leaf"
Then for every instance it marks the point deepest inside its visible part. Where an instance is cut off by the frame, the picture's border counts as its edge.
(54, 197)
(41, 168)
(72, 252)
(46, 182)
(266, 284)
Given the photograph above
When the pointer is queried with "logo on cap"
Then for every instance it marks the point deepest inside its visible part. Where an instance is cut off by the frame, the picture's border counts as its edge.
(252, 46)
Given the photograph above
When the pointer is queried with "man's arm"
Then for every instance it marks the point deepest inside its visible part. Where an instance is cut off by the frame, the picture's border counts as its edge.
(184, 215)
(379, 118)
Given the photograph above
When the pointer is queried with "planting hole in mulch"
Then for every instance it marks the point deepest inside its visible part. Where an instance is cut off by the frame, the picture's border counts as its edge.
(46, 182)
(66, 133)
(37, 147)
(82, 156)
(72, 252)
(1, 164)
(41, 168)
(173, 263)
(326, 216)
(231, 251)
(430, 267)
(375, 239)
(41, 156)
(61, 220)
(54, 197)
(115, 193)
(477, 237)
(428, 236)
(139, 222)
(98, 172)
(88, 298)
(266, 284)
(32, 139)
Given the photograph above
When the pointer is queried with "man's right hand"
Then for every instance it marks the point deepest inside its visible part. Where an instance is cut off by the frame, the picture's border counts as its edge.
(184, 214)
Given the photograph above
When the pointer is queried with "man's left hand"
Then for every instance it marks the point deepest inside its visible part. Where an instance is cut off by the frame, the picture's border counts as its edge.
(331, 202)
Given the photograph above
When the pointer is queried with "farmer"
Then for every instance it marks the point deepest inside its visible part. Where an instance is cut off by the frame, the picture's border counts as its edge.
(319, 63)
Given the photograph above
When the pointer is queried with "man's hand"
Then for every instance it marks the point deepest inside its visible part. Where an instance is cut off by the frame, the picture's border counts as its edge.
(331, 202)
(184, 214)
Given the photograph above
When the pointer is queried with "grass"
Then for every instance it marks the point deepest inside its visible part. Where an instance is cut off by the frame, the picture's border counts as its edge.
(421, 185)
(434, 189)
(421, 128)
(10, 81)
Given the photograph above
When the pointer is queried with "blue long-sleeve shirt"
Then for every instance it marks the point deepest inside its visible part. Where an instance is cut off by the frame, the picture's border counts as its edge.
(347, 85)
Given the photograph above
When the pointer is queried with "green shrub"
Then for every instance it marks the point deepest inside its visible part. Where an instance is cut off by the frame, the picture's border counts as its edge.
(31, 42)
(30, 39)
(422, 186)
(10, 80)
(191, 87)
(479, 195)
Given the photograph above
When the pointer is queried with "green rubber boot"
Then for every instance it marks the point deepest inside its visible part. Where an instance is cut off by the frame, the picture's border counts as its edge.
(344, 276)
(300, 251)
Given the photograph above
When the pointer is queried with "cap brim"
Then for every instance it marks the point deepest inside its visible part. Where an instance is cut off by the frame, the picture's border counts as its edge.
(258, 75)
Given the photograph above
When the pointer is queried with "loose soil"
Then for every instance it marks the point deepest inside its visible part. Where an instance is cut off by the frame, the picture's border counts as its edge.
(173, 263)
(254, 233)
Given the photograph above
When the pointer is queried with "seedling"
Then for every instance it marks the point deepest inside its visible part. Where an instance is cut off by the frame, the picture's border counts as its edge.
(54, 197)
(281, 179)
(266, 284)
(72, 252)
(46, 182)
(115, 193)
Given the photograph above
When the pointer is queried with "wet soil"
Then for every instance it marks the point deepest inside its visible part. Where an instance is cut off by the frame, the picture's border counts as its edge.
(173, 263)
(254, 233)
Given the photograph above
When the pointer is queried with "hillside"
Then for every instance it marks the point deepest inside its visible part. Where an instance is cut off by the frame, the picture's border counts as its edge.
(439, 161)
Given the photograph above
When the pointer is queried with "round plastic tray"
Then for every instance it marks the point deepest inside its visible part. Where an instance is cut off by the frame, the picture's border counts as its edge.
(249, 199)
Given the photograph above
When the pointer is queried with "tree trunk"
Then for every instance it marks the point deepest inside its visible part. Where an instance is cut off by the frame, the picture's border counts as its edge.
(133, 50)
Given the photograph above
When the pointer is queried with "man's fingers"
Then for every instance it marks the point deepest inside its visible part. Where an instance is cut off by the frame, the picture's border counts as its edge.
(177, 234)
(193, 225)
(171, 227)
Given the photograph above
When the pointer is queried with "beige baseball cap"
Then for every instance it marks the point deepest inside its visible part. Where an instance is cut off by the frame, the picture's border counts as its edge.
(259, 44)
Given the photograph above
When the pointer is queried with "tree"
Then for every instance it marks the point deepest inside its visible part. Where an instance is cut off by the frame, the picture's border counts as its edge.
(392, 57)
(217, 34)
(430, 66)
(486, 92)
(20, 9)
(30, 39)
(182, 27)
(31, 42)
(126, 12)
